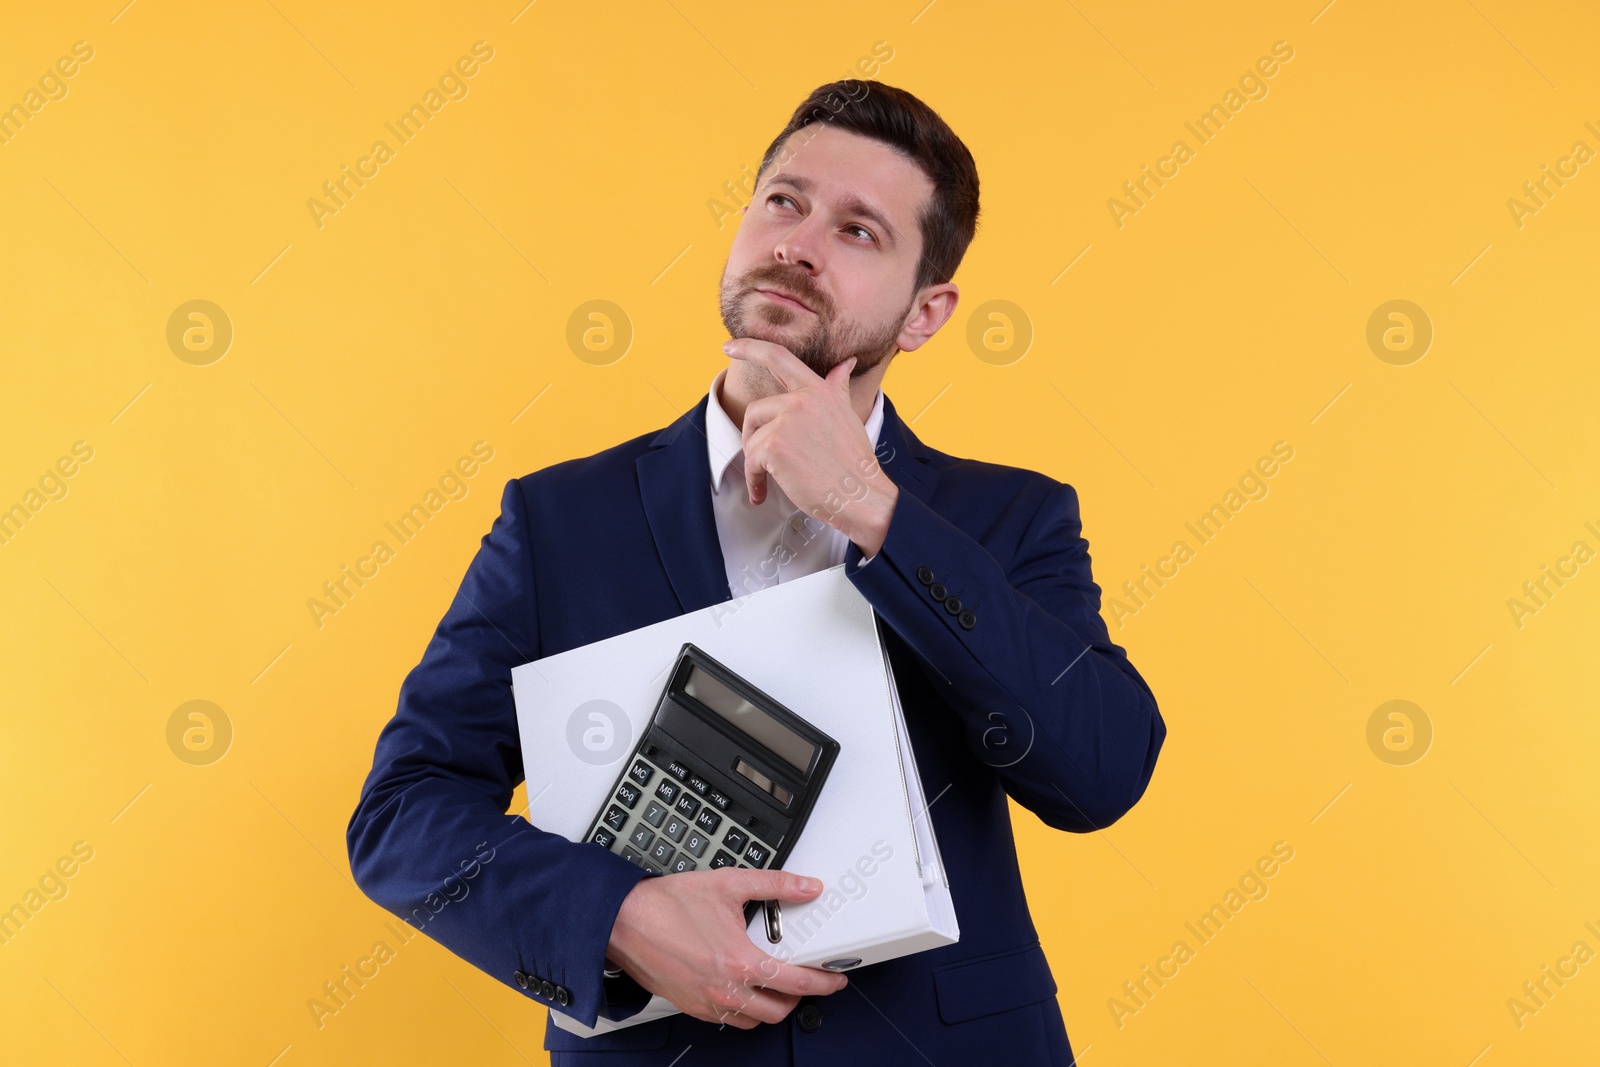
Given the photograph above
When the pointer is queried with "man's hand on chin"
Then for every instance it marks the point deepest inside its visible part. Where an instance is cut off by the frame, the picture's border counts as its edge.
(811, 440)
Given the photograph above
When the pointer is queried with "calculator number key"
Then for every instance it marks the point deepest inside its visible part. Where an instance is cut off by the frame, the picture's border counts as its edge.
(642, 836)
(675, 829)
(663, 852)
(653, 814)
(681, 864)
(696, 844)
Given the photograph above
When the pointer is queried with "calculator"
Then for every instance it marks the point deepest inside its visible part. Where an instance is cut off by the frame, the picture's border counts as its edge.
(723, 776)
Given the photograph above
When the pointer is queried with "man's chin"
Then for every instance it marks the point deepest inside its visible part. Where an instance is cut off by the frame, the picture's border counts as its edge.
(788, 335)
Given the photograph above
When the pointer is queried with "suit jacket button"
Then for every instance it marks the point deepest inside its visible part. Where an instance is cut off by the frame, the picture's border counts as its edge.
(967, 620)
(522, 979)
(547, 989)
(809, 1017)
(938, 591)
(924, 575)
(953, 605)
(563, 995)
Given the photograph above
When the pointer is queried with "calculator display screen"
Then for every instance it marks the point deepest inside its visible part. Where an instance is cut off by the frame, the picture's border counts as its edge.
(744, 715)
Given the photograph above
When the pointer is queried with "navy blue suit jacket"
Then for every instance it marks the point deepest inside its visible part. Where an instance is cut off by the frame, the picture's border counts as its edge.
(1026, 695)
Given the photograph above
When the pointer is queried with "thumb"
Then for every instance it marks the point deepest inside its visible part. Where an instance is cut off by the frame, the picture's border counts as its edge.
(839, 373)
(776, 885)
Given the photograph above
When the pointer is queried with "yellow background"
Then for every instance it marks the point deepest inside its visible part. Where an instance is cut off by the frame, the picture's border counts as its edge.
(1227, 314)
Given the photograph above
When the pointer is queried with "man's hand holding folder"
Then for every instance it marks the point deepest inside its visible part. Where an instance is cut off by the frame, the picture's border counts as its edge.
(684, 938)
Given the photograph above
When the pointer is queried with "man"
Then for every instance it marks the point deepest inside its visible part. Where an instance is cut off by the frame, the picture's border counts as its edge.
(864, 206)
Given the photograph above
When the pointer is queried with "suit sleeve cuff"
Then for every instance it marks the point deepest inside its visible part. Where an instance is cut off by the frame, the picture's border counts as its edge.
(603, 880)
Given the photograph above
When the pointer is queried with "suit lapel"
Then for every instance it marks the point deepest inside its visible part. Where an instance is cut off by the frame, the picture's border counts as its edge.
(675, 486)
(903, 457)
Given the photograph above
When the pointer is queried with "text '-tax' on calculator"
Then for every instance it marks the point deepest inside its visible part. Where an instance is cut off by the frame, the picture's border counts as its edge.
(723, 776)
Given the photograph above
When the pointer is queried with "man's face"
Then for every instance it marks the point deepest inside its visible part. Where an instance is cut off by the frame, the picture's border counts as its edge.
(833, 224)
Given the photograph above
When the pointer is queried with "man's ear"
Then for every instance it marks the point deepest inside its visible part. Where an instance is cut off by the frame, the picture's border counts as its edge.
(935, 304)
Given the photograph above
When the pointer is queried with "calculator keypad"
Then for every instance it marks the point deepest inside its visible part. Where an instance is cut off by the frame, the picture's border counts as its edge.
(674, 832)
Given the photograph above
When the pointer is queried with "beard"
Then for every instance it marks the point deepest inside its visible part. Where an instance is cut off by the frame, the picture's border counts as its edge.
(827, 343)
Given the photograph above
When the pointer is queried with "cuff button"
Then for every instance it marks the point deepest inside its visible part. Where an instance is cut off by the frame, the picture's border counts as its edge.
(938, 591)
(925, 575)
(522, 979)
(563, 996)
(967, 620)
(953, 605)
(547, 989)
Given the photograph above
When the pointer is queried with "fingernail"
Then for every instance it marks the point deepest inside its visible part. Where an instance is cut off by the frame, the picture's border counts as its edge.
(808, 884)
(728, 348)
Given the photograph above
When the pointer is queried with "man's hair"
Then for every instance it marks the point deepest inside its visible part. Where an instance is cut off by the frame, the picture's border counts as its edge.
(895, 118)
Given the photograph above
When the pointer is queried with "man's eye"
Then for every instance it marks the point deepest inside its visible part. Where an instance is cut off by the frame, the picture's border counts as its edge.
(780, 200)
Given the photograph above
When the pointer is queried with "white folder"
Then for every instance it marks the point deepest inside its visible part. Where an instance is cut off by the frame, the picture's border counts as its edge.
(814, 646)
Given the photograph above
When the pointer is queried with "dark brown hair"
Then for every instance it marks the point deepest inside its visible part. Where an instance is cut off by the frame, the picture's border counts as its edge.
(896, 118)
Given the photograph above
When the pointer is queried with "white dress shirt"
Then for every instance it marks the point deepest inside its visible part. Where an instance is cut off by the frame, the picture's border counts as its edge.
(772, 542)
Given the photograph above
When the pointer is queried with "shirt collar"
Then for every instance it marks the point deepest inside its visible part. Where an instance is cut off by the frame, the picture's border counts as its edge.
(724, 442)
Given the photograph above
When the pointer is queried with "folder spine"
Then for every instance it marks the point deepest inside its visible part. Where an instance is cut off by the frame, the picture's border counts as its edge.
(899, 755)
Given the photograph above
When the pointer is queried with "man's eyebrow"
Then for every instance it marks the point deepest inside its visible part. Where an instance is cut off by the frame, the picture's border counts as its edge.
(852, 205)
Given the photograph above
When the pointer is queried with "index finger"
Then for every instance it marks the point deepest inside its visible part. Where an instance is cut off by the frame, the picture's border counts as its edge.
(784, 365)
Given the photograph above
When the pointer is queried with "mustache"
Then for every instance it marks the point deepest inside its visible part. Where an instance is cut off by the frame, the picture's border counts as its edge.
(792, 281)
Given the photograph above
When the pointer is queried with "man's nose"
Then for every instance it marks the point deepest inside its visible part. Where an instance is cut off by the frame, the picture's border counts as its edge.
(800, 247)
